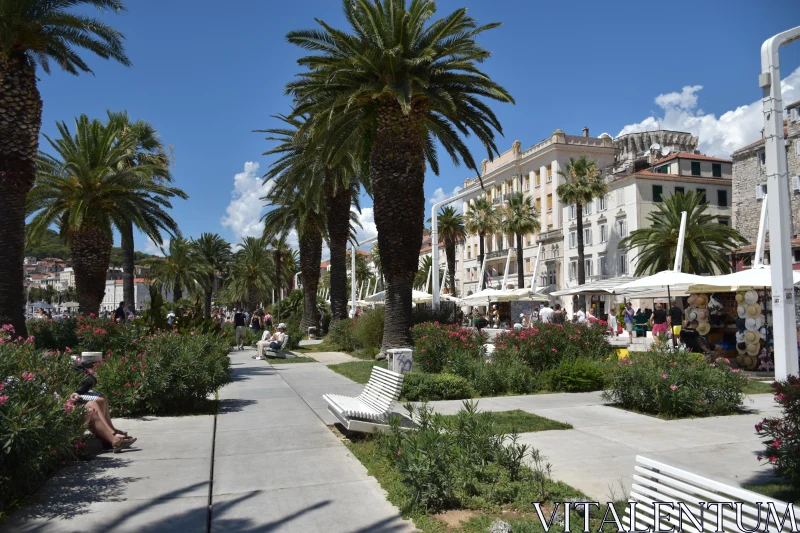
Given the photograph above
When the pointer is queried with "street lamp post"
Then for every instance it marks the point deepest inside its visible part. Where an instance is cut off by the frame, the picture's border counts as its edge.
(353, 251)
(779, 208)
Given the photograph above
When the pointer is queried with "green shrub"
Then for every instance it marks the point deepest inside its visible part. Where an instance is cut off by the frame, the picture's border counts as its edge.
(229, 333)
(545, 345)
(39, 427)
(290, 309)
(166, 373)
(782, 447)
(368, 329)
(340, 335)
(420, 386)
(676, 384)
(498, 377)
(446, 314)
(578, 375)
(54, 334)
(295, 335)
(436, 345)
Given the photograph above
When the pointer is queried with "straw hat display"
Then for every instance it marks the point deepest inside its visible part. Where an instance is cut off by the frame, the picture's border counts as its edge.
(702, 300)
(740, 360)
(750, 337)
(753, 310)
(691, 300)
(691, 314)
(740, 324)
(739, 337)
(703, 328)
(702, 315)
(751, 297)
(760, 321)
(753, 349)
(741, 348)
(741, 311)
(750, 324)
(740, 297)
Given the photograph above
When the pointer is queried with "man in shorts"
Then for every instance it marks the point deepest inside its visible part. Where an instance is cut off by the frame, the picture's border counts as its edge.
(240, 323)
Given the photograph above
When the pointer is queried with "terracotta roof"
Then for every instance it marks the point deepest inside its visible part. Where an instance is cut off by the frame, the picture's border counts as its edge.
(752, 247)
(647, 174)
(689, 155)
(37, 276)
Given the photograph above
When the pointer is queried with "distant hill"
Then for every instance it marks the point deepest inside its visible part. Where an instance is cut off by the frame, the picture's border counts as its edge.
(51, 245)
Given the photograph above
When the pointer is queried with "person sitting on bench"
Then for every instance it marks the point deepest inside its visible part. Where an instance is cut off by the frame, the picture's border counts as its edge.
(266, 338)
(276, 341)
(698, 343)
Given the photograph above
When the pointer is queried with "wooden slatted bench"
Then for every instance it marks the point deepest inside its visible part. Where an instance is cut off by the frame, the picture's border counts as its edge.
(658, 482)
(369, 411)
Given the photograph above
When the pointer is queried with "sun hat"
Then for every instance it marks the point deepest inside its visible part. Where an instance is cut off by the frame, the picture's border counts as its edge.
(750, 336)
(522, 315)
(741, 348)
(691, 314)
(702, 300)
(739, 337)
(750, 324)
(691, 299)
(741, 311)
(754, 348)
(740, 297)
(281, 326)
(751, 296)
(703, 328)
(753, 310)
(763, 332)
(702, 314)
(760, 321)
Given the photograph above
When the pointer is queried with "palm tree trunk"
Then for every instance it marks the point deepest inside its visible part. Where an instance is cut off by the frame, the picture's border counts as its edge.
(520, 273)
(337, 212)
(278, 259)
(207, 303)
(128, 261)
(20, 122)
(90, 249)
(310, 258)
(581, 265)
(480, 260)
(397, 169)
(177, 292)
(450, 252)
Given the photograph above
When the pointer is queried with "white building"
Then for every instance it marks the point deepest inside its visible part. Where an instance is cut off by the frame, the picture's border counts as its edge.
(113, 295)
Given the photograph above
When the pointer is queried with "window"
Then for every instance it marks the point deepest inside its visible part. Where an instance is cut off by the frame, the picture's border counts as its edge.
(695, 168)
(549, 202)
(679, 190)
(573, 239)
(528, 265)
(549, 174)
(587, 236)
(620, 197)
(702, 194)
(761, 191)
(601, 266)
(664, 169)
(762, 158)
(538, 205)
(530, 239)
(587, 268)
(723, 221)
(722, 198)
(571, 212)
(573, 269)
(658, 191)
(623, 264)
(716, 170)
(797, 256)
(587, 209)
(603, 233)
(602, 203)
(622, 228)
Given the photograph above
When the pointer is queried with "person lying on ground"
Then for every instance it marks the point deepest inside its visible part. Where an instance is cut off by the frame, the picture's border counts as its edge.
(98, 414)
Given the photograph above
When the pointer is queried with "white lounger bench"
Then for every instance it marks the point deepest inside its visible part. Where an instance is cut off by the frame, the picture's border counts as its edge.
(369, 411)
(659, 482)
(281, 352)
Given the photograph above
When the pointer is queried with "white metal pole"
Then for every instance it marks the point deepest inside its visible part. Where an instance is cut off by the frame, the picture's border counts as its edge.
(428, 281)
(505, 274)
(435, 235)
(679, 251)
(296, 286)
(780, 221)
(444, 277)
(483, 270)
(762, 233)
(353, 281)
(535, 278)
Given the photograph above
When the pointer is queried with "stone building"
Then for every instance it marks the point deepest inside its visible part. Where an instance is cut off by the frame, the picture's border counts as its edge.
(750, 186)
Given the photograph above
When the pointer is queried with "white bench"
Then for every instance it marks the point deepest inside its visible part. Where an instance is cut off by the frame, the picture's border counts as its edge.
(369, 411)
(282, 352)
(658, 482)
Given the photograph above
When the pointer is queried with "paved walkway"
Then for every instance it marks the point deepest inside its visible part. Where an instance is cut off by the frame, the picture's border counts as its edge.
(276, 467)
(597, 456)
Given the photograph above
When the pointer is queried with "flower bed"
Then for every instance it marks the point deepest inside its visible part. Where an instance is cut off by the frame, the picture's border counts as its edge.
(676, 384)
(782, 447)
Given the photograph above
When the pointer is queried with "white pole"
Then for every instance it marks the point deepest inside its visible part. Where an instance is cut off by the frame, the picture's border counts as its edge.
(681, 237)
(435, 235)
(296, 285)
(428, 281)
(353, 287)
(444, 277)
(505, 274)
(762, 234)
(483, 269)
(780, 221)
(535, 278)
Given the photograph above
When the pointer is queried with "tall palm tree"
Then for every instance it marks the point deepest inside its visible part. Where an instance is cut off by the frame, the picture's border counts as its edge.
(34, 32)
(375, 257)
(452, 231)
(303, 213)
(519, 218)
(251, 274)
(421, 279)
(215, 253)
(281, 256)
(481, 219)
(583, 184)
(148, 150)
(86, 192)
(707, 244)
(180, 269)
(407, 80)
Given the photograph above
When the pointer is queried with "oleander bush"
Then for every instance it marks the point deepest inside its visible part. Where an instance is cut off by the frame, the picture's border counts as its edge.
(436, 345)
(368, 329)
(782, 433)
(54, 334)
(421, 386)
(340, 335)
(578, 375)
(676, 384)
(39, 427)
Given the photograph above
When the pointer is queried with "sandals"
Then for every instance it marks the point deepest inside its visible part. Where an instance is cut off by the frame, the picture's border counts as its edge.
(123, 443)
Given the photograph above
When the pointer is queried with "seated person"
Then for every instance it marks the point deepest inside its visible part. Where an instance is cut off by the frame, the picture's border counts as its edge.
(697, 343)
(98, 415)
(266, 338)
(276, 341)
(481, 322)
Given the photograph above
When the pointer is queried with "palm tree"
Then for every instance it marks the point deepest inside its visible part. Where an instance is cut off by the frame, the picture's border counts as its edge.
(364, 275)
(303, 213)
(407, 81)
(481, 219)
(282, 254)
(251, 274)
(34, 32)
(707, 243)
(375, 257)
(215, 253)
(421, 279)
(452, 231)
(150, 151)
(583, 184)
(519, 219)
(86, 191)
(182, 268)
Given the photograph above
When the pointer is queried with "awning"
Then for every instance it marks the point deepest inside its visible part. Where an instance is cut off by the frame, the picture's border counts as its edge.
(753, 278)
(495, 295)
(607, 286)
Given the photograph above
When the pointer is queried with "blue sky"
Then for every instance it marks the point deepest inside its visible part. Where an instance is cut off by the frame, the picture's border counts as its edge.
(206, 74)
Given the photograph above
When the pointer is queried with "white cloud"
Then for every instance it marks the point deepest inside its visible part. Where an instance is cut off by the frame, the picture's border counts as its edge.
(439, 195)
(368, 228)
(244, 211)
(718, 136)
(152, 248)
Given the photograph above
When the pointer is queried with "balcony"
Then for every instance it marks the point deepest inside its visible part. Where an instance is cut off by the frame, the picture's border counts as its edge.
(498, 253)
(550, 236)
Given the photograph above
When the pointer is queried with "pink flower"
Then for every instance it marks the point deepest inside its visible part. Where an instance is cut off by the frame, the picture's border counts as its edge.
(664, 376)
(399, 452)
(673, 387)
(69, 405)
(3, 399)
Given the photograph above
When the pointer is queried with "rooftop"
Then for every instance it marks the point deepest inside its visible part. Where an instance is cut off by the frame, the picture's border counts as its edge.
(689, 155)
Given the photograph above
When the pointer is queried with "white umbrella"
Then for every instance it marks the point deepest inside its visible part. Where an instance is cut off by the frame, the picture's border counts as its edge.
(756, 277)
(495, 295)
(665, 278)
(483, 297)
(416, 296)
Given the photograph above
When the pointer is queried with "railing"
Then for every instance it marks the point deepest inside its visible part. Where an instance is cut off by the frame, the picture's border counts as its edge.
(498, 253)
(552, 234)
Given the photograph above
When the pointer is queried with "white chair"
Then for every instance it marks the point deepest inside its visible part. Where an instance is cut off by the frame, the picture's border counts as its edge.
(658, 482)
(370, 410)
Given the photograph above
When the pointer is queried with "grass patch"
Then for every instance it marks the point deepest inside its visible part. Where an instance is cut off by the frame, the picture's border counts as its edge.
(758, 387)
(290, 360)
(314, 348)
(779, 491)
(521, 422)
(358, 371)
